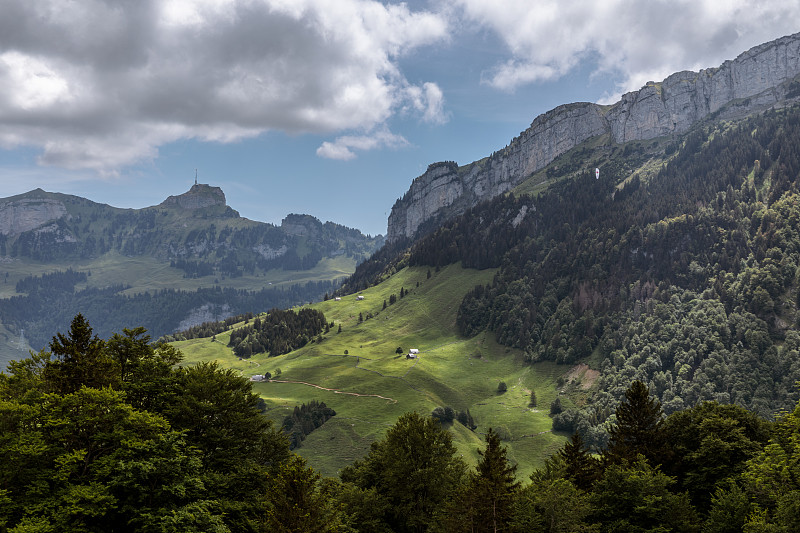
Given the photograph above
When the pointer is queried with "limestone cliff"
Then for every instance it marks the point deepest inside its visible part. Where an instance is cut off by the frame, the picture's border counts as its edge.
(23, 214)
(763, 77)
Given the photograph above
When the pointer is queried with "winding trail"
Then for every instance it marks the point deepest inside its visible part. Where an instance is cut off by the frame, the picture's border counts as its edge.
(401, 378)
(335, 391)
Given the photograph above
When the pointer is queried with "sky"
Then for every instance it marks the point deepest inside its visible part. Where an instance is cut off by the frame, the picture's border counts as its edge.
(324, 107)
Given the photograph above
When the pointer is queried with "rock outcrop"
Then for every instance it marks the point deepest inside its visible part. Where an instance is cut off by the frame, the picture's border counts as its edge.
(24, 214)
(765, 76)
(199, 196)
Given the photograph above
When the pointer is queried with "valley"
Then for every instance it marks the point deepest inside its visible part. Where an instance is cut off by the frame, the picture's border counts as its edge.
(372, 385)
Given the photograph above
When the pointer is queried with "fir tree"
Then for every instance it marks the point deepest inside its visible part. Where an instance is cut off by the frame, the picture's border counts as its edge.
(581, 468)
(639, 427)
(485, 503)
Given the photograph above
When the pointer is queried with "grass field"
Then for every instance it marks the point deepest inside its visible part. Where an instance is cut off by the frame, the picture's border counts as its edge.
(360, 375)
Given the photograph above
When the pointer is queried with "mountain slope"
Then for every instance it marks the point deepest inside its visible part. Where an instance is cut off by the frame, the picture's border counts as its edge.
(677, 267)
(358, 372)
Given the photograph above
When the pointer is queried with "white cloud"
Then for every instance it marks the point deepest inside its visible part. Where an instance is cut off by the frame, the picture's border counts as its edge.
(636, 41)
(342, 148)
(101, 84)
(429, 101)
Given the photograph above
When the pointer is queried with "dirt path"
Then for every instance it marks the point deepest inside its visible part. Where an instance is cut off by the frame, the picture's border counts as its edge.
(381, 374)
(335, 391)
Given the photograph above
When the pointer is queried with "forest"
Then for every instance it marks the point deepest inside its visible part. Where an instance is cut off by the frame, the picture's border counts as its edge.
(687, 280)
(52, 299)
(278, 332)
(116, 435)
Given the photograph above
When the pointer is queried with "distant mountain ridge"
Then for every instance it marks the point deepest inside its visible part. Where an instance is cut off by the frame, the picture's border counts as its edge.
(197, 225)
(764, 77)
(170, 266)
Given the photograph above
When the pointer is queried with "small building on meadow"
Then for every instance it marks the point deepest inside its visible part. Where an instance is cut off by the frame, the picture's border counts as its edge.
(413, 351)
(258, 377)
(337, 299)
(359, 297)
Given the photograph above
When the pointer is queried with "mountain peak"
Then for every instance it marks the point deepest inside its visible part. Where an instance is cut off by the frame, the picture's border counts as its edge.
(199, 196)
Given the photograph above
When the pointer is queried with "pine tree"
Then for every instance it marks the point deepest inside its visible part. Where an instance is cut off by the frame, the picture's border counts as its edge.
(639, 427)
(581, 468)
(81, 359)
(485, 504)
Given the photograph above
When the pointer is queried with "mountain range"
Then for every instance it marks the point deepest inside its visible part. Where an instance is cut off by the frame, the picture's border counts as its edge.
(764, 77)
(192, 243)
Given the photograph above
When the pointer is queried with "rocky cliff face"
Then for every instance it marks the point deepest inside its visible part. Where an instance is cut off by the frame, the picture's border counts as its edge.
(763, 77)
(199, 196)
(25, 214)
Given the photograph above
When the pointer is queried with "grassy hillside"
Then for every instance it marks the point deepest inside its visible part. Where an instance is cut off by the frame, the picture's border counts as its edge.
(371, 385)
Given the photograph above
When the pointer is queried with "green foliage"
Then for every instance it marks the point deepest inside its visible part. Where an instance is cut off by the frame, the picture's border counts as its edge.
(492, 488)
(638, 429)
(711, 443)
(81, 360)
(580, 467)
(553, 505)
(414, 467)
(772, 478)
(113, 433)
(297, 503)
(633, 496)
(305, 419)
(278, 332)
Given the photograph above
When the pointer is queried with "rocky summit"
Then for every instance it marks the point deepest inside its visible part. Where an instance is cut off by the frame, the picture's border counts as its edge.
(766, 76)
(199, 196)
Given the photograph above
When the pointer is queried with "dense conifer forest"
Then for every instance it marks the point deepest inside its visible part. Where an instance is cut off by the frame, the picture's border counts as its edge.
(278, 332)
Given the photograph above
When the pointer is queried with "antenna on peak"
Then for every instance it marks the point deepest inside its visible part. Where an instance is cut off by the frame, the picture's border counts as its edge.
(195, 176)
